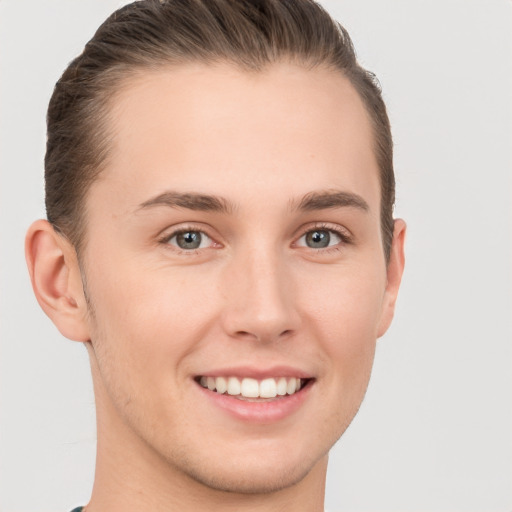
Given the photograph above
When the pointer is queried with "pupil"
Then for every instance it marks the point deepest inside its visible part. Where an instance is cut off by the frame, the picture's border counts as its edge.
(318, 239)
(189, 240)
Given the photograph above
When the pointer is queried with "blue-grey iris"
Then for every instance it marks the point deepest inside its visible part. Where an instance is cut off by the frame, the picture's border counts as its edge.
(318, 239)
(189, 240)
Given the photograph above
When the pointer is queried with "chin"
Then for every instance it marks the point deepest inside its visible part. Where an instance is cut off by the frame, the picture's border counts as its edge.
(260, 478)
(260, 466)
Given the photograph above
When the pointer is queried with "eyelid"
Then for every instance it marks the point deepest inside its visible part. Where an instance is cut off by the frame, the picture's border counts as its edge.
(344, 234)
(169, 233)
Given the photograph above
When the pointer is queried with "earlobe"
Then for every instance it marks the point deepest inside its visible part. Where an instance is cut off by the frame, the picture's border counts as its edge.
(56, 280)
(395, 269)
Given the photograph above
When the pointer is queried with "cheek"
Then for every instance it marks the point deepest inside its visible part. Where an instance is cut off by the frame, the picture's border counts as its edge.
(346, 313)
(348, 304)
(144, 329)
(144, 325)
(343, 316)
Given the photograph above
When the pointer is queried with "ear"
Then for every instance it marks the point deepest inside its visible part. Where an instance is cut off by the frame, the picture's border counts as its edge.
(56, 279)
(395, 270)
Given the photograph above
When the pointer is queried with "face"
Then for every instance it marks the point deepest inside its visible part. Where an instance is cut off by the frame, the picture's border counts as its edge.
(234, 271)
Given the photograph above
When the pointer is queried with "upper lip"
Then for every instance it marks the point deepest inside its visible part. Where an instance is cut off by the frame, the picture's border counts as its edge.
(257, 373)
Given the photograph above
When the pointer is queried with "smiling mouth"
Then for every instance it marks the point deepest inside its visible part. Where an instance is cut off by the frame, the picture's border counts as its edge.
(253, 389)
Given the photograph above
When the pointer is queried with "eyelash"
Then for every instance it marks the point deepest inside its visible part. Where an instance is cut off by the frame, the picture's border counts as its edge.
(344, 236)
(186, 229)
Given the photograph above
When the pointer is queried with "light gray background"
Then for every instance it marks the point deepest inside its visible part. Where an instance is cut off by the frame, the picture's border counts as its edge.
(434, 433)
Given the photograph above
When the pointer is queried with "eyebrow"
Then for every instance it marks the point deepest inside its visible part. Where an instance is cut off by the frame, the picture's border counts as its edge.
(191, 201)
(317, 200)
(322, 200)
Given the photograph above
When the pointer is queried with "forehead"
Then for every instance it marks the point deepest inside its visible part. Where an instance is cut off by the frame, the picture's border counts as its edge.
(195, 126)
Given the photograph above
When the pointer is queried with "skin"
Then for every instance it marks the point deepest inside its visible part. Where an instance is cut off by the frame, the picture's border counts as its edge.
(155, 316)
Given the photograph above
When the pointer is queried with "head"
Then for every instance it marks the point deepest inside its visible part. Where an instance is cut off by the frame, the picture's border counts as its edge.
(219, 189)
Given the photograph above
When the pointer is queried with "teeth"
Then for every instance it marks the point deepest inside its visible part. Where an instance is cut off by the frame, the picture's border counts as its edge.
(268, 388)
(252, 388)
(234, 387)
(221, 384)
(291, 386)
(282, 386)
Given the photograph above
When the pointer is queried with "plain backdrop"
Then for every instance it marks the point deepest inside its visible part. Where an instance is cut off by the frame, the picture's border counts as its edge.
(434, 432)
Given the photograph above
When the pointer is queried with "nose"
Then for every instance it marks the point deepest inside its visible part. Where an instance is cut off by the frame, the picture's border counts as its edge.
(260, 297)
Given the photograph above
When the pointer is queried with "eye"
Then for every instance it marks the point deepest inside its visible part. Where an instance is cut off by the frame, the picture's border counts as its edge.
(189, 240)
(320, 239)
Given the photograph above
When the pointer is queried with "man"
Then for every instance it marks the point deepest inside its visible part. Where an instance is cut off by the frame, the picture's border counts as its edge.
(219, 190)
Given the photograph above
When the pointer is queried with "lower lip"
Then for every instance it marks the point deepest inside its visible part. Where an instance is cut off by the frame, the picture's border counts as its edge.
(258, 412)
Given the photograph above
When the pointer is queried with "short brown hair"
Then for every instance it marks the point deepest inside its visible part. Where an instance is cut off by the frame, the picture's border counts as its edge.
(148, 34)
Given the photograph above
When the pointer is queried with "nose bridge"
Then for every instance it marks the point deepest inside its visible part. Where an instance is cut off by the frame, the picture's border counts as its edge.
(260, 300)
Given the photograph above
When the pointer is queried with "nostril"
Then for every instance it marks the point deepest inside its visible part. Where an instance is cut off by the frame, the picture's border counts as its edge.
(246, 334)
(263, 336)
